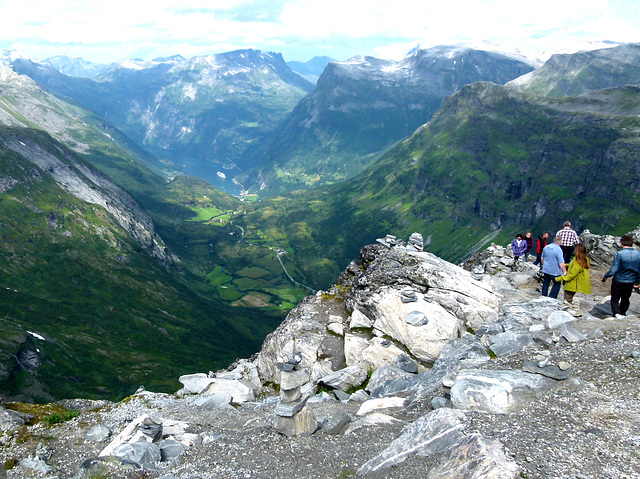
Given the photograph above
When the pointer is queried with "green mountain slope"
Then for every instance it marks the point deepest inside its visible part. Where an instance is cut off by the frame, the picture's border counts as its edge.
(491, 162)
(574, 74)
(112, 315)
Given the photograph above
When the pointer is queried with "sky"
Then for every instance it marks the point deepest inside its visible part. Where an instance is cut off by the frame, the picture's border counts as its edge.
(107, 31)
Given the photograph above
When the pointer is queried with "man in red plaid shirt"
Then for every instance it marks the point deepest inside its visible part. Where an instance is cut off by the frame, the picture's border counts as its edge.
(569, 241)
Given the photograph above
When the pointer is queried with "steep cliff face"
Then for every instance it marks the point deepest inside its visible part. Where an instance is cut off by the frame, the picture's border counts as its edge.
(86, 184)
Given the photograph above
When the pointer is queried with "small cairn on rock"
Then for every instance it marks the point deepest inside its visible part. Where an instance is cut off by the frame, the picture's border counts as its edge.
(416, 242)
(292, 417)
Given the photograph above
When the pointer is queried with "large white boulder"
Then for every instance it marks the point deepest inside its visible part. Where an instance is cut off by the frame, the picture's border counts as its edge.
(498, 391)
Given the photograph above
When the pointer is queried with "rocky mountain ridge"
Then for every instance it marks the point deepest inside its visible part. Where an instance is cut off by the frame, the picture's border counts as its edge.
(515, 386)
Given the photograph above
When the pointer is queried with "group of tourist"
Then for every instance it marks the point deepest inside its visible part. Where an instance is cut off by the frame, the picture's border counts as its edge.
(557, 266)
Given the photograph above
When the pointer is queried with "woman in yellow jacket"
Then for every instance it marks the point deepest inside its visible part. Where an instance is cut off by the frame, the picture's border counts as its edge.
(577, 278)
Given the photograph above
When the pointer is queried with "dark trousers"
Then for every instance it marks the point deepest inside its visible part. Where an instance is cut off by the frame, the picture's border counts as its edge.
(555, 289)
(567, 252)
(538, 259)
(620, 294)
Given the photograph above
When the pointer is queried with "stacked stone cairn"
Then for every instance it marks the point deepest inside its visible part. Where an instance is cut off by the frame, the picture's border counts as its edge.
(292, 416)
(416, 243)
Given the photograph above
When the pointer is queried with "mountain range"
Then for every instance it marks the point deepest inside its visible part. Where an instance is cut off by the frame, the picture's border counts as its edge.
(362, 106)
(418, 145)
(202, 115)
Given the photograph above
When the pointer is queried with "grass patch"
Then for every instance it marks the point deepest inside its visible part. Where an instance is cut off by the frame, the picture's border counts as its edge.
(218, 277)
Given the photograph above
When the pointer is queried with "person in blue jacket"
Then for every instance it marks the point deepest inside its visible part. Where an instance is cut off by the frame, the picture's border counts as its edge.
(626, 276)
(552, 266)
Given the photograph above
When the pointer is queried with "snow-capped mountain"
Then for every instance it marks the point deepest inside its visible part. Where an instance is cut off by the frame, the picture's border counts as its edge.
(76, 67)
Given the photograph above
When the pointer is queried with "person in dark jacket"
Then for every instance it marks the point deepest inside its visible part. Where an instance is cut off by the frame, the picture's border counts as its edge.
(626, 276)
(529, 239)
(540, 244)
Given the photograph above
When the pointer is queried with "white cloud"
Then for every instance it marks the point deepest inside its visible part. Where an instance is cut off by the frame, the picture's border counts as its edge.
(300, 29)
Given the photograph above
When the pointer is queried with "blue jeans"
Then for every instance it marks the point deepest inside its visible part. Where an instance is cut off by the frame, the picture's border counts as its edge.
(555, 289)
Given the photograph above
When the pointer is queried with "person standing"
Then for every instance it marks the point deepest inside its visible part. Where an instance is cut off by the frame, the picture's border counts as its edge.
(577, 279)
(569, 240)
(518, 246)
(552, 266)
(540, 244)
(626, 276)
(529, 239)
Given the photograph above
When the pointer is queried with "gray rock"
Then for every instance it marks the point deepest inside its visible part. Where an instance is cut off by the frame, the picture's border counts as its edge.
(286, 367)
(407, 364)
(346, 378)
(213, 400)
(36, 464)
(475, 457)
(341, 395)
(151, 429)
(440, 402)
(10, 420)
(510, 342)
(432, 434)
(467, 348)
(322, 397)
(360, 320)
(143, 453)
(303, 423)
(98, 433)
(518, 315)
(558, 318)
(572, 334)
(417, 318)
(498, 391)
(550, 371)
(170, 449)
(195, 383)
(359, 396)
(290, 395)
(336, 424)
(389, 378)
(290, 409)
(240, 390)
(294, 379)
(105, 464)
(602, 310)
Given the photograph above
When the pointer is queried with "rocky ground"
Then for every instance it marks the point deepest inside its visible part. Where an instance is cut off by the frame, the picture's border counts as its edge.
(588, 426)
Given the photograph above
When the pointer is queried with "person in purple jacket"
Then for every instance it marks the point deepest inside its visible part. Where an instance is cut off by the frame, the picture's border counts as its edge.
(519, 246)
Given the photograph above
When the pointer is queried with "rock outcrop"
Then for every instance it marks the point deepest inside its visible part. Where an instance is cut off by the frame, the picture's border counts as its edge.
(395, 300)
